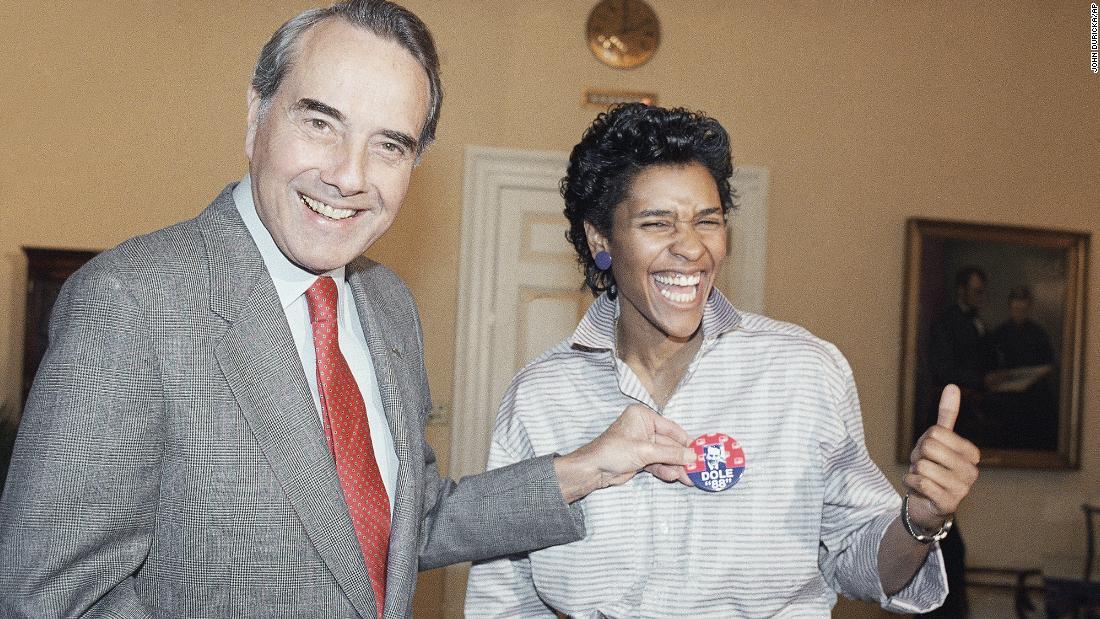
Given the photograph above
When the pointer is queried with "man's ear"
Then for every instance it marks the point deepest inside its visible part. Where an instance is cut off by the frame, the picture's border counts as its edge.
(254, 103)
(596, 241)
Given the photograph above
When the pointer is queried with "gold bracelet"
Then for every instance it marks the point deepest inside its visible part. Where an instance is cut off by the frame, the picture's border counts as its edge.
(924, 539)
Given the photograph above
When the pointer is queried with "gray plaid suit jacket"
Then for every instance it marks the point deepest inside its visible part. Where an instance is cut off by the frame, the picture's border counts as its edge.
(171, 461)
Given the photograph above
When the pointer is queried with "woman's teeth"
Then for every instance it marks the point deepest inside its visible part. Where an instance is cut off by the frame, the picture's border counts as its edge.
(679, 297)
(326, 210)
(679, 280)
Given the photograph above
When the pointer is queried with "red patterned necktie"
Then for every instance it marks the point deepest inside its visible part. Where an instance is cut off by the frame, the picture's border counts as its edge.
(345, 417)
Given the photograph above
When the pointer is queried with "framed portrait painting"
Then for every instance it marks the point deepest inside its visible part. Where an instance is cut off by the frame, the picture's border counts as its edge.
(1000, 312)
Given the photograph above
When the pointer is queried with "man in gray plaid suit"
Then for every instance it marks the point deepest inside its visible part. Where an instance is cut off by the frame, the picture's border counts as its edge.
(172, 459)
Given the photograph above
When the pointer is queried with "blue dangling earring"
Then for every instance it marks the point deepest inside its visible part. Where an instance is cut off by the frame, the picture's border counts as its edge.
(603, 260)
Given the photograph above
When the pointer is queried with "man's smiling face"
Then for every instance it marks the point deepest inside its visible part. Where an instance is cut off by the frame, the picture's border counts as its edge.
(331, 153)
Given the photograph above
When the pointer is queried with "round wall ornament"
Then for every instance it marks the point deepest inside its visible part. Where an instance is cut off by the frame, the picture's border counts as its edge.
(623, 33)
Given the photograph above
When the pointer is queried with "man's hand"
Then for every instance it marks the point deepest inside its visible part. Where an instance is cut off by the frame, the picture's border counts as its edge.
(944, 467)
(638, 439)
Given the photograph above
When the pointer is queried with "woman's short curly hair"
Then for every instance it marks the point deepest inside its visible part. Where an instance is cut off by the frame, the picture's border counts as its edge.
(621, 143)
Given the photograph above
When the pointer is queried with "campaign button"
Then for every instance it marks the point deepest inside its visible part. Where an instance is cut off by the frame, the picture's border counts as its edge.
(719, 462)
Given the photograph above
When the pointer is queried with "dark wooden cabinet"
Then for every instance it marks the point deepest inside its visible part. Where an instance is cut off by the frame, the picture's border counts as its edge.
(47, 270)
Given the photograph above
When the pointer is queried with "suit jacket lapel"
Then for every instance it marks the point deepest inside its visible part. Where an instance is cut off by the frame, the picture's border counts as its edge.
(388, 357)
(262, 367)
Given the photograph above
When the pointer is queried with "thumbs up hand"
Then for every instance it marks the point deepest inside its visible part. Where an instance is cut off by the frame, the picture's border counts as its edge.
(943, 468)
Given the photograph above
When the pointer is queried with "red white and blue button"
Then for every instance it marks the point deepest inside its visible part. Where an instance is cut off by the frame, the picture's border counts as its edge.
(719, 462)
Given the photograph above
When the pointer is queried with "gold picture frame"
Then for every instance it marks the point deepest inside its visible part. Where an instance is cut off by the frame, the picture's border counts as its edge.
(999, 310)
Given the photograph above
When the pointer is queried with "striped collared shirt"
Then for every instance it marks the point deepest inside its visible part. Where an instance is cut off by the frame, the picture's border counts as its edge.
(804, 520)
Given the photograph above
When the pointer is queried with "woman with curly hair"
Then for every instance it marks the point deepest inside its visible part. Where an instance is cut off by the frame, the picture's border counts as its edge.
(784, 507)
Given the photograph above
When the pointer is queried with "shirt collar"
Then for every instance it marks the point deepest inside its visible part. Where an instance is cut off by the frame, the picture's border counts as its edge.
(291, 281)
(597, 329)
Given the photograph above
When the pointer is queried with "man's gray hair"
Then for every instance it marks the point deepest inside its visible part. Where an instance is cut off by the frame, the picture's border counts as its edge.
(382, 18)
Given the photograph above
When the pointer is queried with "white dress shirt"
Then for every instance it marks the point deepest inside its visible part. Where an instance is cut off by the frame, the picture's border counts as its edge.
(291, 282)
(803, 522)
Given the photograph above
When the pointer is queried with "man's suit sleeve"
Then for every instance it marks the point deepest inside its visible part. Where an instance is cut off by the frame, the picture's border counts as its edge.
(79, 503)
(512, 509)
(500, 512)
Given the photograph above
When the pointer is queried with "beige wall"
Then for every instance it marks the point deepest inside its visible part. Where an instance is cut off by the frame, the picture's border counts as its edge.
(122, 117)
